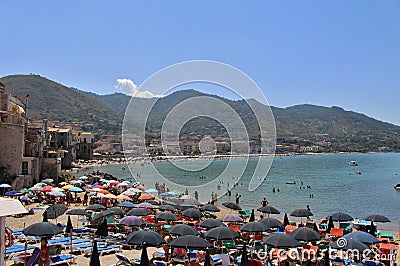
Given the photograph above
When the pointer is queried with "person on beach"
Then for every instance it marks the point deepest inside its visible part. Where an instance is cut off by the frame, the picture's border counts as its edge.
(196, 195)
(264, 202)
(237, 198)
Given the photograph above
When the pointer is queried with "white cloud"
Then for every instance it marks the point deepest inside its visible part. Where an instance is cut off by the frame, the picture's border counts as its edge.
(127, 86)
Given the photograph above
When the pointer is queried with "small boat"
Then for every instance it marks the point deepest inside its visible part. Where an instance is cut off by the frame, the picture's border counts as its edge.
(353, 163)
(397, 187)
(291, 182)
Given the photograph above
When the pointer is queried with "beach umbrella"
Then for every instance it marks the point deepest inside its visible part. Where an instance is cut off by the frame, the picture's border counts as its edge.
(117, 211)
(144, 258)
(36, 189)
(340, 217)
(167, 207)
(83, 177)
(252, 216)
(145, 205)
(102, 229)
(151, 190)
(75, 189)
(5, 186)
(231, 218)
(146, 197)
(245, 259)
(101, 215)
(285, 220)
(182, 230)
(210, 208)
(148, 237)
(280, 241)
(192, 213)
(57, 194)
(98, 186)
(348, 244)
(67, 187)
(26, 198)
(13, 193)
(95, 207)
(63, 183)
(55, 210)
(221, 233)
(232, 206)
(131, 221)
(173, 201)
(57, 189)
(330, 224)
(122, 184)
(301, 213)
(166, 216)
(77, 182)
(123, 197)
(78, 212)
(362, 237)
(189, 242)
(183, 206)
(254, 227)
(95, 256)
(192, 202)
(42, 229)
(377, 218)
(46, 189)
(153, 202)
(113, 182)
(131, 191)
(269, 210)
(108, 196)
(207, 260)
(271, 222)
(166, 194)
(103, 191)
(126, 204)
(210, 223)
(45, 220)
(305, 234)
(138, 212)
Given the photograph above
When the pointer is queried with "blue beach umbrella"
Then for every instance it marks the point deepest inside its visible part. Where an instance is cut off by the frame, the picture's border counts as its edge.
(83, 177)
(151, 190)
(13, 193)
(75, 189)
(25, 198)
(126, 204)
(362, 237)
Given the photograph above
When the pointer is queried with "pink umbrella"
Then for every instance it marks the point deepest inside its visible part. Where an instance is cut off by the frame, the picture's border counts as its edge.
(98, 186)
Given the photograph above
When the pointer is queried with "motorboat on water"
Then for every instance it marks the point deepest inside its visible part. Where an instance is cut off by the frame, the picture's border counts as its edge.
(397, 187)
(353, 163)
(291, 182)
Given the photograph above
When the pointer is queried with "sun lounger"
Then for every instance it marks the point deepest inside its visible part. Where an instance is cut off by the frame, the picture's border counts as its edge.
(16, 249)
(62, 259)
(60, 240)
(384, 234)
(158, 255)
(106, 249)
(123, 260)
(336, 232)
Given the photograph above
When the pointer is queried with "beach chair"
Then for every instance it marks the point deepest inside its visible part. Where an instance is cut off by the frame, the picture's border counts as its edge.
(290, 228)
(384, 234)
(245, 214)
(123, 260)
(62, 259)
(34, 259)
(225, 259)
(336, 232)
(229, 244)
(234, 227)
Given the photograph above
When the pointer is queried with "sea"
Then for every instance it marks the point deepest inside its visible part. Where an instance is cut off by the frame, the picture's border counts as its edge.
(326, 183)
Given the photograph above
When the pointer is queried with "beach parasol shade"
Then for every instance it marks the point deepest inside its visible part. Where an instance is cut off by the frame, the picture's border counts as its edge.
(95, 207)
(56, 194)
(192, 213)
(5, 186)
(285, 220)
(184, 206)
(252, 216)
(269, 210)
(280, 241)
(78, 212)
(126, 204)
(114, 182)
(167, 207)
(42, 229)
(83, 177)
(55, 210)
(340, 217)
(232, 206)
(210, 208)
(192, 202)
(221, 233)
(245, 259)
(231, 218)
(102, 229)
(138, 212)
(182, 230)
(123, 197)
(69, 225)
(95, 256)
(210, 223)
(144, 258)
(271, 222)
(153, 202)
(146, 197)
(362, 237)
(148, 237)
(146, 205)
(13, 193)
(301, 213)
(101, 215)
(75, 189)
(166, 216)
(131, 221)
(349, 244)
(151, 190)
(189, 242)
(66, 187)
(46, 189)
(254, 227)
(166, 194)
(57, 189)
(103, 191)
(117, 211)
(377, 218)
(26, 198)
(305, 234)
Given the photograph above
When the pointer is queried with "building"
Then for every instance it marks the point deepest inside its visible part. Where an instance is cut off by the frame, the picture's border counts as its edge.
(84, 145)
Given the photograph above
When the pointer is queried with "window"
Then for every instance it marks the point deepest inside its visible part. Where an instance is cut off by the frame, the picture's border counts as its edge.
(24, 168)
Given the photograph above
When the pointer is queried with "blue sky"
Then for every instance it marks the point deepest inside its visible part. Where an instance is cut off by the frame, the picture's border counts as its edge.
(338, 52)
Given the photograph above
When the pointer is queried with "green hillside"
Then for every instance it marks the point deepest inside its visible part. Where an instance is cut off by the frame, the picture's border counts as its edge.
(53, 101)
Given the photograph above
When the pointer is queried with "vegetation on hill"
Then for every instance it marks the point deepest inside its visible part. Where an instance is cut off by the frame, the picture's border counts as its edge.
(332, 128)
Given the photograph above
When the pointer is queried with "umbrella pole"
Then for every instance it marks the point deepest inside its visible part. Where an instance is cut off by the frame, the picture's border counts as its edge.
(25, 248)
(70, 244)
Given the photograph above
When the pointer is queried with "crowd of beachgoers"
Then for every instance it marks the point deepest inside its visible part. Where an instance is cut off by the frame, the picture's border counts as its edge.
(116, 222)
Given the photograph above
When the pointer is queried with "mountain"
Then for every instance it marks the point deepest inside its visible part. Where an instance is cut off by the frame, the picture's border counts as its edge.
(333, 128)
(55, 102)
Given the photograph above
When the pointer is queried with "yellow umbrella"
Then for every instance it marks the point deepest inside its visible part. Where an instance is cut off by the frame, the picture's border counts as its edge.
(67, 187)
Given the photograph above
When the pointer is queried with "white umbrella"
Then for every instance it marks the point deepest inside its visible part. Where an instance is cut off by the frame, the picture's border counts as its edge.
(5, 186)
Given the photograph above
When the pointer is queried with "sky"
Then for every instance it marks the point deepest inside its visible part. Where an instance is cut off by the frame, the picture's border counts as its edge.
(331, 53)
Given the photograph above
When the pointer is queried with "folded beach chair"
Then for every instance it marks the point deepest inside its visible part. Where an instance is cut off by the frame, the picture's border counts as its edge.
(123, 260)
(34, 259)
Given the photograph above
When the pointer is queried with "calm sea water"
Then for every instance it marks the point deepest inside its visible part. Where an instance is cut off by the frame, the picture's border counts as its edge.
(333, 182)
